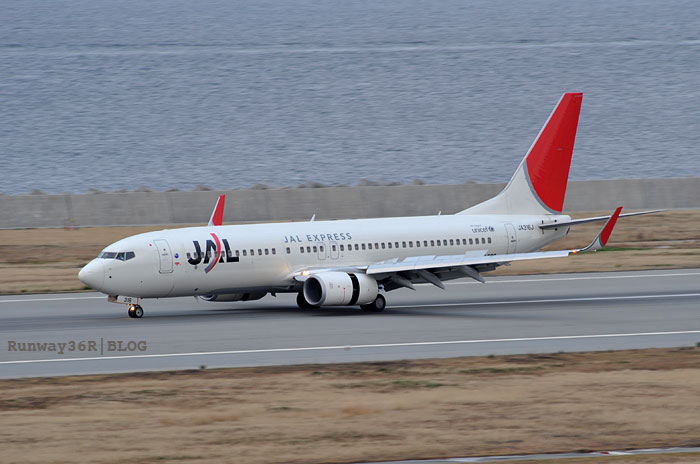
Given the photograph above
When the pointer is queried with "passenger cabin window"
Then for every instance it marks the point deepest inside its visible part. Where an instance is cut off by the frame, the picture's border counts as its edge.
(363, 246)
(357, 247)
(320, 248)
(252, 252)
(432, 243)
(308, 249)
(274, 251)
(288, 250)
(483, 240)
(396, 244)
(315, 249)
(244, 253)
(342, 247)
(425, 243)
(267, 251)
(410, 244)
(489, 239)
(383, 245)
(301, 249)
(403, 244)
(389, 244)
(333, 248)
(369, 245)
(471, 242)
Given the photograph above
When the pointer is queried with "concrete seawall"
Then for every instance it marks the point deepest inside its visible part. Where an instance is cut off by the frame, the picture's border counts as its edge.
(137, 208)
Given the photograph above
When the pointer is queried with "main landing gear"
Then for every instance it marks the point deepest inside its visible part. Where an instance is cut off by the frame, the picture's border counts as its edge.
(135, 311)
(376, 306)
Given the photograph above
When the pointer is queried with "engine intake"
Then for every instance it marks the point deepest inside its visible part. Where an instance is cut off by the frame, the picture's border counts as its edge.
(339, 288)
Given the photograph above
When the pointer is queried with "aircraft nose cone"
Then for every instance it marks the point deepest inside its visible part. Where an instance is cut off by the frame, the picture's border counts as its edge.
(93, 274)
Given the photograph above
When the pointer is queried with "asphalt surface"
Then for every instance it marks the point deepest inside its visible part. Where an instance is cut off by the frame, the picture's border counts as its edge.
(521, 314)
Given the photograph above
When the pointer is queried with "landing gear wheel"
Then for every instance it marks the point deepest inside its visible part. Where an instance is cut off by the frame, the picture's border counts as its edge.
(302, 303)
(376, 306)
(135, 311)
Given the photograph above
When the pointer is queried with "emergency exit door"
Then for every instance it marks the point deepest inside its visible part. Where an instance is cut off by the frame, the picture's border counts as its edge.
(165, 256)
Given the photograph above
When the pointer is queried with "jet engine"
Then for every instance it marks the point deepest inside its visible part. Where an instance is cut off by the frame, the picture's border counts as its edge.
(339, 288)
(233, 296)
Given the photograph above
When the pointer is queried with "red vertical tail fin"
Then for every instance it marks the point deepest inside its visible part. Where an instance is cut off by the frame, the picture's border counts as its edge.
(539, 184)
(217, 216)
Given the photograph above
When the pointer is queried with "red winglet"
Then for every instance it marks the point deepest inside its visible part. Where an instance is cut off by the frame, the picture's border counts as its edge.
(607, 230)
(217, 217)
(604, 235)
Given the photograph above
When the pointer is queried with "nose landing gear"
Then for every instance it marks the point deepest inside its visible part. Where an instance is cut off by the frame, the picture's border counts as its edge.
(135, 311)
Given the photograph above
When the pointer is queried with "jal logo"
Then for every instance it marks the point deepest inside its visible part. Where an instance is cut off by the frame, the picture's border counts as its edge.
(213, 253)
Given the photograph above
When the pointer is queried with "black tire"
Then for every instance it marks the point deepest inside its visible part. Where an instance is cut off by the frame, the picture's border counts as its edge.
(138, 312)
(131, 312)
(377, 306)
(303, 304)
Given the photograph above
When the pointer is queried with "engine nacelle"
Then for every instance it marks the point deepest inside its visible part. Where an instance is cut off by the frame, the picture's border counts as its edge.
(339, 288)
(233, 296)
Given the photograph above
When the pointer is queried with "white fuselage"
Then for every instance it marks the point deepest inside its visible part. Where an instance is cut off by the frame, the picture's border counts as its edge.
(265, 257)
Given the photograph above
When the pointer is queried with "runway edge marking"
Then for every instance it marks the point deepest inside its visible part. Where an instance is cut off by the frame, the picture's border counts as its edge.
(549, 300)
(349, 347)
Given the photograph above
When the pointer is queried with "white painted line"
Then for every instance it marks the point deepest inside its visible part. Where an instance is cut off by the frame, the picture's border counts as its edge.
(564, 279)
(543, 457)
(349, 347)
(549, 300)
(56, 299)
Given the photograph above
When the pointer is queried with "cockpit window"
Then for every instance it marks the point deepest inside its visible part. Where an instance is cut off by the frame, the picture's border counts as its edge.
(121, 256)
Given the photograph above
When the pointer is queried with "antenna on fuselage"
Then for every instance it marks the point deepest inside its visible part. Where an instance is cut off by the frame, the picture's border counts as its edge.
(313, 218)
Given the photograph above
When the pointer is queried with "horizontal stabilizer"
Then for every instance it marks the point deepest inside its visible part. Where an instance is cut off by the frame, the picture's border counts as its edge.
(574, 222)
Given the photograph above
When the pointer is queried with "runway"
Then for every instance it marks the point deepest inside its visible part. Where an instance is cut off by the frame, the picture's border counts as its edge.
(507, 315)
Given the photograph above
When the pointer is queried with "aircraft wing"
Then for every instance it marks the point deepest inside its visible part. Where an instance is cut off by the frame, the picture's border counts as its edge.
(439, 262)
(404, 272)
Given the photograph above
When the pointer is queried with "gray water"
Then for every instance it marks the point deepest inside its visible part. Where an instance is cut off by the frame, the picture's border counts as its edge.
(171, 94)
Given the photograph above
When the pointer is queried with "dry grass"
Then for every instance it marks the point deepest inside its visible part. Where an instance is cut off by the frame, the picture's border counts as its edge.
(360, 412)
(661, 241)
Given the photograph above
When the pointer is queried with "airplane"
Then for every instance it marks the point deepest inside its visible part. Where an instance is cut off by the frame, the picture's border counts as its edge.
(356, 262)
